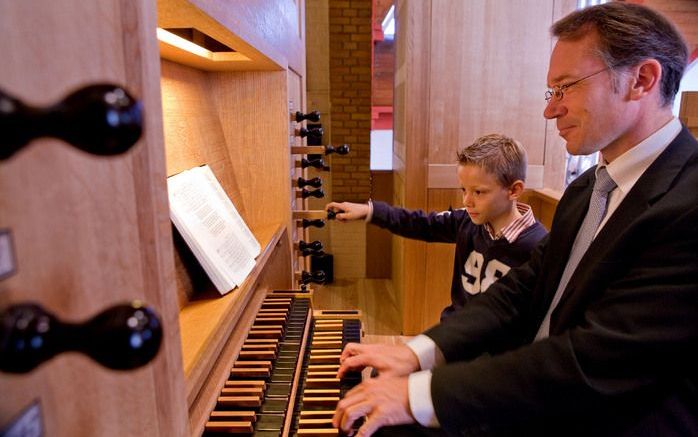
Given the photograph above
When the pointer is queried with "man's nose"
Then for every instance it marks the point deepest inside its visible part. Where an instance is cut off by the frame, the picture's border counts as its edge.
(553, 109)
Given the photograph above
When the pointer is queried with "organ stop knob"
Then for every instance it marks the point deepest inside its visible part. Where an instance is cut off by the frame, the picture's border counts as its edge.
(99, 119)
(122, 337)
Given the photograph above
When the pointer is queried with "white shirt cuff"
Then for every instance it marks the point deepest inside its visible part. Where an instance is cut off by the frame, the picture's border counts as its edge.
(421, 405)
(428, 353)
(369, 216)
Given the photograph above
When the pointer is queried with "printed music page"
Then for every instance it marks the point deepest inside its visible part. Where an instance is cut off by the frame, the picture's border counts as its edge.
(212, 227)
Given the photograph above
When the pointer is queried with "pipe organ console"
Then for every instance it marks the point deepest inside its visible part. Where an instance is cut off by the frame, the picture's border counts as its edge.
(283, 381)
(83, 232)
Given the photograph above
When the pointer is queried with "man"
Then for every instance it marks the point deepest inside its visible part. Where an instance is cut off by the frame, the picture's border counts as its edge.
(597, 334)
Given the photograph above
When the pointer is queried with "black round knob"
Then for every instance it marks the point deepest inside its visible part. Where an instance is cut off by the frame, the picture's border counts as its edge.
(339, 150)
(122, 337)
(318, 223)
(314, 182)
(331, 215)
(317, 277)
(308, 252)
(315, 163)
(313, 116)
(315, 132)
(319, 194)
(315, 245)
(100, 119)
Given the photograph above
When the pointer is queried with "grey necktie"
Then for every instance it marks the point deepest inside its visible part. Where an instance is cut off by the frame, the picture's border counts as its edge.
(597, 209)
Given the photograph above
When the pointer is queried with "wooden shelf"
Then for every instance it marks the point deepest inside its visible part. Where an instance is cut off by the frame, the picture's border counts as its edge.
(206, 322)
(229, 26)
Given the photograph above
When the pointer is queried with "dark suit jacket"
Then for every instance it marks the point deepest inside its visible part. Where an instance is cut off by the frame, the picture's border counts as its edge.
(621, 358)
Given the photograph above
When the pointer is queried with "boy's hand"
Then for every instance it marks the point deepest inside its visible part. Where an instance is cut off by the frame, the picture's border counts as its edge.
(348, 211)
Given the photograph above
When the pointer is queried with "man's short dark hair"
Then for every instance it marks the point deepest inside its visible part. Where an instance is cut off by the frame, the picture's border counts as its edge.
(628, 34)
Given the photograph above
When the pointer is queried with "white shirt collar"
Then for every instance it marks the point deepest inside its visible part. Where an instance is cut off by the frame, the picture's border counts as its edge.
(628, 167)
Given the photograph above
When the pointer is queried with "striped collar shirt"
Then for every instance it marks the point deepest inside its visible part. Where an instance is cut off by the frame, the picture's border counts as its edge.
(512, 231)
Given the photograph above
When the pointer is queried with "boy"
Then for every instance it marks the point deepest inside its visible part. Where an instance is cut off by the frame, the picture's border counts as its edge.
(493, 232)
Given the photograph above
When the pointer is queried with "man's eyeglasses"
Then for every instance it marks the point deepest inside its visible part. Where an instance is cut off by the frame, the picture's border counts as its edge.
(558, 91)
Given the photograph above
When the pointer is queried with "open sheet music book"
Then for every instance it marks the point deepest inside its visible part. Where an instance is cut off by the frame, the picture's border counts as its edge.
(212, 227)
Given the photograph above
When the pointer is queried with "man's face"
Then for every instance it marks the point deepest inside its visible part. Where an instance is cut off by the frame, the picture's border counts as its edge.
(591, 115)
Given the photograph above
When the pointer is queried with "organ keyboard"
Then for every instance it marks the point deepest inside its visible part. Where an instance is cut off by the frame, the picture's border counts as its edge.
(283, 381)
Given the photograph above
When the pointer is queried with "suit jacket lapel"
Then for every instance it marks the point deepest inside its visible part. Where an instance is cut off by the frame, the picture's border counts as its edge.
(651, 186)
(568, 218)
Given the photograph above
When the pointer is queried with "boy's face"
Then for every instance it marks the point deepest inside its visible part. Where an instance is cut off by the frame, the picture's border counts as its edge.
(484, 198)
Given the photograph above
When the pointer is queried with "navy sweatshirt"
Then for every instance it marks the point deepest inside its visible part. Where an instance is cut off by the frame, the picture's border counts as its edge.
(479, 260)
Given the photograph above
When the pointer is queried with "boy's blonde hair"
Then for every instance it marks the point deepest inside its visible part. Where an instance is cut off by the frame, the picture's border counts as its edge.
(499, 155)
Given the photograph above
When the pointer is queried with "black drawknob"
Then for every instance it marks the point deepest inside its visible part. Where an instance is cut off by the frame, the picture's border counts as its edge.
(315, 163)
(331, 215)
(317, 277)
(310, 116)
(318, 223)
(339, 150)
(122, 337)
(319, 194)
(308, 252)
(315, 245)
(315, 132)
(314, 182)
(99, 119)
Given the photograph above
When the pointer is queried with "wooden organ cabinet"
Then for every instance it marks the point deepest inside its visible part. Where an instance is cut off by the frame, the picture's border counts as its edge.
(118, 330)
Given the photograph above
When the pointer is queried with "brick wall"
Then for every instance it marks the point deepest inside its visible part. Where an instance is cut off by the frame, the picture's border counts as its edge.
(350, 96)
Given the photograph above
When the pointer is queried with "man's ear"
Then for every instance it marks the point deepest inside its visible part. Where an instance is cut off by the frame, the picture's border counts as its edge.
(646, 79)
(516, 190)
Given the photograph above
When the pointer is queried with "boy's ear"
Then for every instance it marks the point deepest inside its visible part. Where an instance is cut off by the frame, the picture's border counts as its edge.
(516, 190)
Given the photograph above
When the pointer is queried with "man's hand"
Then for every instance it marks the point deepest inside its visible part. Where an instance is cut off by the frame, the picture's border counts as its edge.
(348, 211)
(383, 400)
(388, 360)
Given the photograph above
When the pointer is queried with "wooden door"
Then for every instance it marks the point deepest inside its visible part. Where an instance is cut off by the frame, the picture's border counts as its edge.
(89, 232)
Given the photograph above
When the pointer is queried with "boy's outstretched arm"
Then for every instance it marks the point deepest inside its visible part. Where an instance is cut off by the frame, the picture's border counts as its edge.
(348, 211)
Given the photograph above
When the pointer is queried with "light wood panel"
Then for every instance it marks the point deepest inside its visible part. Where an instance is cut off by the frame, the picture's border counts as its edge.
(689, 111)
(555, 159)
(413, 84)
(488, 66)
(237, 122)
(378, 241)
(90, 232)
(268, 32)
(465, 69)
(440, 256)
(375, 298)
(543, 202)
